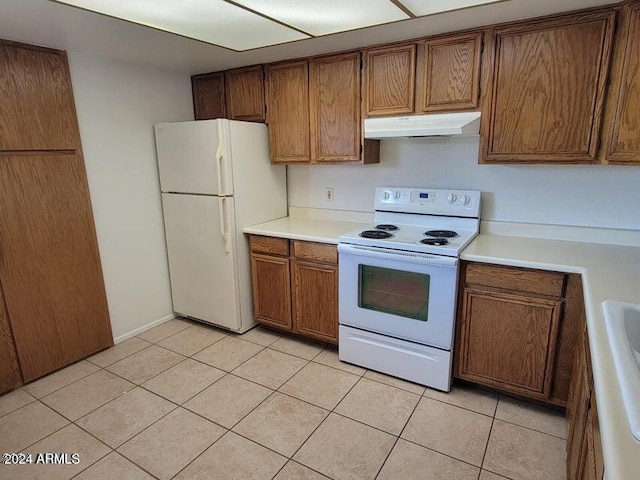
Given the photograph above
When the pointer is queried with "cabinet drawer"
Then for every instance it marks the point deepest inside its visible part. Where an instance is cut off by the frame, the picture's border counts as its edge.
(515, 279)
(269, 245)
(320, 252)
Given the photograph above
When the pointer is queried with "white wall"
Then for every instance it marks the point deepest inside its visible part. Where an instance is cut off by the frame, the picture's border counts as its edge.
(599, 196)
(117, 104)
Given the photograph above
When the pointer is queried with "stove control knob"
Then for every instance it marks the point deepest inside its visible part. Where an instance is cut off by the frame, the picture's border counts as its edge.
(396, 194)
(386, 195)
(465, 199)
(451, 197)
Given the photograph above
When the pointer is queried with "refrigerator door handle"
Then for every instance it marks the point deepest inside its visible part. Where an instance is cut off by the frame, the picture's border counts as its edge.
(219, 158)
(223, 224)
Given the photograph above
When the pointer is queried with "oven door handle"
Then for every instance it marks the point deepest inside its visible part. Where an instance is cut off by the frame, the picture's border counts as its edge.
(398, 255)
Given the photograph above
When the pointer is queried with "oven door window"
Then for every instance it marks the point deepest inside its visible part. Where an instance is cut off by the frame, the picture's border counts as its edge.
(405, 294)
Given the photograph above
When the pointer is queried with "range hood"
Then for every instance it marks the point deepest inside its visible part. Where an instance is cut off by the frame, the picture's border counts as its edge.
(433, 125)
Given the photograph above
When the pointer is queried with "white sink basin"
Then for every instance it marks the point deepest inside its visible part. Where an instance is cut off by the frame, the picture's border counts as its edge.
(623, 328)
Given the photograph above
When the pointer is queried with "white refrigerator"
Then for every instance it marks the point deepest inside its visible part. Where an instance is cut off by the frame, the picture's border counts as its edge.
(215, 179)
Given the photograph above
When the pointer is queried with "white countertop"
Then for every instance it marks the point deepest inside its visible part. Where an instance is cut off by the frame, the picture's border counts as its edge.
(609, 272)
(309, 229)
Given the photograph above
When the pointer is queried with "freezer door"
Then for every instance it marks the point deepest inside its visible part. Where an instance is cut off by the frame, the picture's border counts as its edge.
(201, 260)
(193, 157)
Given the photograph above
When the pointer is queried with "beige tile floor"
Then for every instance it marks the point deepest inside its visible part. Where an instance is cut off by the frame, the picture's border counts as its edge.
(187, 401)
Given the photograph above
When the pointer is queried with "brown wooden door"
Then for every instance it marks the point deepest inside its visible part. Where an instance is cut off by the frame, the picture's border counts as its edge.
(390, 74)
(622, 137)
(577, 413)
(10, 376)
(287, 98)
(448, 73)
(50, 268)
(545, 89)
(335, 108)
(315, 300)
(508, 341)
(208, 96)
(244, 90)
(572, 322)
(271, 290)
(37, 112)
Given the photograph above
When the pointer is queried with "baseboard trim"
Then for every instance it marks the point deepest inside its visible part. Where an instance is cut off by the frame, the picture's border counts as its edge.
(144, 328)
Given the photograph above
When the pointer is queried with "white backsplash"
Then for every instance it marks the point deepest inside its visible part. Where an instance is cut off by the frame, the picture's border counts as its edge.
(582, 195)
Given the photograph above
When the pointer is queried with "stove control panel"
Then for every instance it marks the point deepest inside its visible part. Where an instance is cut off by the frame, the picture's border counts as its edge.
(462, 203)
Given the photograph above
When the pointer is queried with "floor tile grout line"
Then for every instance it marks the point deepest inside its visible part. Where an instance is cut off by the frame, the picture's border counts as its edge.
(226, 430)
(126, 356)
(195, 353)
(398, 438)
(486, 447)
(64, 386)
(190, 323)
(22, 406)
(457, 406)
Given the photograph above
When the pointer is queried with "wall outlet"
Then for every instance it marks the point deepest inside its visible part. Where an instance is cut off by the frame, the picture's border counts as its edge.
(328, 194)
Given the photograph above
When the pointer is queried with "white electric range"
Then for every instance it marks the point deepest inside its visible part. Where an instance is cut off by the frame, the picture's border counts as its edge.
(398, 283)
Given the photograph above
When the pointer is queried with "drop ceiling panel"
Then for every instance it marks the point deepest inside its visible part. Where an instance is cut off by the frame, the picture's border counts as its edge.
(212, 21)
(328, 16)
(422, 7)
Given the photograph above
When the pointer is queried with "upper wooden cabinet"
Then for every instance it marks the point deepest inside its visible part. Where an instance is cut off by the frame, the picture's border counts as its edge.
(544, 89)
(334, 84)
(37, 106)
(287, 96)
(448, 73)
(244, 91)
(208, 96)
(622, 134)
(313, 111)
(390, 75)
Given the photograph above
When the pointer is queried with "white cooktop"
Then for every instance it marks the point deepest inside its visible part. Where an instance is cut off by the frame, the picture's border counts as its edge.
(416, 211)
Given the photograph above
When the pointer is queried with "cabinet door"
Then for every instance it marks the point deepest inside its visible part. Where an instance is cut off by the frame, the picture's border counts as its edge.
(390, 80)
(50, 270)
(244, 89)
(208, 96)
(334, 84)
(37, 111)
(10, 376)
(544, 89)
(448, 75)
(571, 325)
(315, 300)
(287, 96)
(508, 341)
(577, 413)
(622, 141)
(271, 290)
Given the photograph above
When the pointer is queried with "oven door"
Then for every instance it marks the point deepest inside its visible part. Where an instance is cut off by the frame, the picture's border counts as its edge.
(406, 295)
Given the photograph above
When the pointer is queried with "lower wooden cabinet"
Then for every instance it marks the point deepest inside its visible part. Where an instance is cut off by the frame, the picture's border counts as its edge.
(295, 286)
(584, 448)
(508, 341)
(516, 328)
(272, 300)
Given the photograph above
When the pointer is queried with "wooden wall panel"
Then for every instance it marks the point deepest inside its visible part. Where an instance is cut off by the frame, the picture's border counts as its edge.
(50, 268)
(10, 376)
(37, 111)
